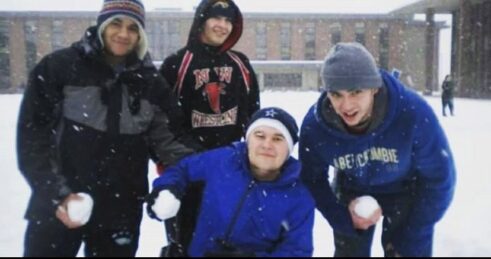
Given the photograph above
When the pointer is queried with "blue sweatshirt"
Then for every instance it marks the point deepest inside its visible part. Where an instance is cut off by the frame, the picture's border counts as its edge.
(408, 146)
(272, 218)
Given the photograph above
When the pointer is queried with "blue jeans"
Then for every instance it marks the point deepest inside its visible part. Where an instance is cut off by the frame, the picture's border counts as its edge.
(445, 103)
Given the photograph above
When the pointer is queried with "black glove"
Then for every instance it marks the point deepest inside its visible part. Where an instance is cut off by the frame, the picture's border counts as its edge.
(173, 250)
(150, 200)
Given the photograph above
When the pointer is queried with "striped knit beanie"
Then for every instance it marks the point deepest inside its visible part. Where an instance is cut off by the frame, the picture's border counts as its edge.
(134, 9)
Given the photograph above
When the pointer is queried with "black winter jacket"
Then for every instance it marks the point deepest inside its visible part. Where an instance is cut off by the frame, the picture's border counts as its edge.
(85, 128)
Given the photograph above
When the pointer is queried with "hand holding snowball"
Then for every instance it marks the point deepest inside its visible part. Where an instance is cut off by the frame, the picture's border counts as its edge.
(166, 205)
(80, 210)
(365, 212)
(75, 210)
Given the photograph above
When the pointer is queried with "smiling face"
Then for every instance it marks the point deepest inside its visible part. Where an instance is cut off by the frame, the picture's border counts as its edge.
(353, 106)
(267, 151)
(216, 30)
(120, 37)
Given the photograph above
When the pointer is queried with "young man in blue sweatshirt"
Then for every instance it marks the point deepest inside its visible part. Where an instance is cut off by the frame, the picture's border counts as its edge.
(382, 140)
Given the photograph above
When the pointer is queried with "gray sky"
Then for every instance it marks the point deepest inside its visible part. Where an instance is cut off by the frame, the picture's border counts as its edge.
(329, 6)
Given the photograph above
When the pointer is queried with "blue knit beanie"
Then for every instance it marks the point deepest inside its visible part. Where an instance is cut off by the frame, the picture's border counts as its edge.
(350, 66)
(276, 118)
(134, 9)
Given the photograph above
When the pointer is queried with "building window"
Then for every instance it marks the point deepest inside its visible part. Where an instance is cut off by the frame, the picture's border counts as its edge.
(57, 37)
(335, 31)
(261, 41)
(283, 80)
(31, 44)
(309, 41)
(285, 41)
(155, 33)
(173, 42)
(383, 46)
(164, 38)
(360, 33)
(4, 55)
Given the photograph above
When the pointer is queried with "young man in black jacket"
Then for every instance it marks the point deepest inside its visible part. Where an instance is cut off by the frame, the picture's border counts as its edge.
(217, 89)
(90, 117)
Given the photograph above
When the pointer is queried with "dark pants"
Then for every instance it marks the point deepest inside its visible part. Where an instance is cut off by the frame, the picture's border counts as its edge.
(445, 103)
(395, 209)
(105, 235)
(181, 228)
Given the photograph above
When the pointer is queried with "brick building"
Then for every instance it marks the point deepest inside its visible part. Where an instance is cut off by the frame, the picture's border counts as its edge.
(471, 41)
(286, 49)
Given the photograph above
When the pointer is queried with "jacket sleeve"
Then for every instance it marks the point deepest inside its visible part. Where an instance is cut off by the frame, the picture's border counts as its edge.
(297, 238)
(177, 119)
(436, 178)
(254, 91)
(39, 115)
(169, 69)
(315, 175)
(165, 146)
(445, 85)
(190, 169)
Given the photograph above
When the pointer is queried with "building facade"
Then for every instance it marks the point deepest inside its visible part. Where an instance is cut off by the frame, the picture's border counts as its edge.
(286, 49)
(471, 41)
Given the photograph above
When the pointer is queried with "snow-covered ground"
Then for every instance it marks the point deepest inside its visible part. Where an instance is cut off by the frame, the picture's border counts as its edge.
(464, 231)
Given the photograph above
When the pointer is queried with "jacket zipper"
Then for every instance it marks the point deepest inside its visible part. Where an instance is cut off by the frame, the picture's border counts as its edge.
(235, 216)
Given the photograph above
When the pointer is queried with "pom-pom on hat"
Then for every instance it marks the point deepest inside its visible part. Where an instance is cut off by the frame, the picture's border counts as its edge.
(276, 118)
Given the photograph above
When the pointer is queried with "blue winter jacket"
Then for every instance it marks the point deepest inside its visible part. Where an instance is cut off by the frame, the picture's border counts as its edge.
(408, 147)
(273, 218)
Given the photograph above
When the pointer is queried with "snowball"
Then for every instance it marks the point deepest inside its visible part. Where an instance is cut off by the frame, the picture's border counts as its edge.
(80, 210)
(366, 206)
(166, 205)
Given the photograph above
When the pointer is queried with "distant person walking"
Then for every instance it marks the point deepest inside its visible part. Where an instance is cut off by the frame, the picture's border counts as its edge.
(447, 95)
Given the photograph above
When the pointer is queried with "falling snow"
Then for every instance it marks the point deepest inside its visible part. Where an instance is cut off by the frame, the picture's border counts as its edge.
(462, 232)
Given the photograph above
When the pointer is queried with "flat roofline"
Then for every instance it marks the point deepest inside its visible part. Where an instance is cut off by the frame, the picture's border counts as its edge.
(180, 14)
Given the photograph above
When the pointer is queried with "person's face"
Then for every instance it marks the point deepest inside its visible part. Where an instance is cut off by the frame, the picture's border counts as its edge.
(216, 30)
(267, 151)
(353, 106)
(121, 36)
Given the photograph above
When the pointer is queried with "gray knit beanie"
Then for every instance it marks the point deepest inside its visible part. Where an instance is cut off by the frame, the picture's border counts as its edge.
(349, 65)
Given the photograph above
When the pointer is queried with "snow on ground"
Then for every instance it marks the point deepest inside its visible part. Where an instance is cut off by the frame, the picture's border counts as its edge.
(464, 230)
